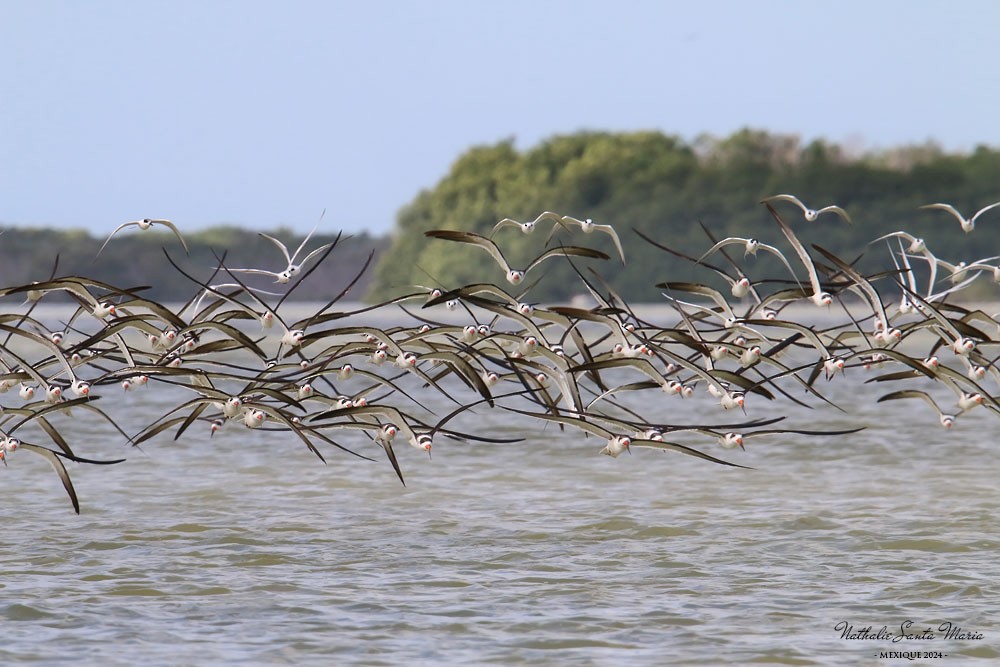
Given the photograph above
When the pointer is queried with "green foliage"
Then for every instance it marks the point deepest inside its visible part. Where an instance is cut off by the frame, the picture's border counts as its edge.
(664, 187)
(136, 258)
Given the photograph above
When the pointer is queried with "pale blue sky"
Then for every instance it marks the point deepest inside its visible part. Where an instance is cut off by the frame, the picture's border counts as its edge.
(265, 113)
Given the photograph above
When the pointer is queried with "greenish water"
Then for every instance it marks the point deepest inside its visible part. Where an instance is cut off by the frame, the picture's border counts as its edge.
(245, 549)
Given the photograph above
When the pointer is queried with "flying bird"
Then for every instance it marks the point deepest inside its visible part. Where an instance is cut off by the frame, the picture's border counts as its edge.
(818, 297)
(946, 420)
(968, 224)
(292, 268)
(145, 224)
(588, 226)
(514, 276)
(529, 226)
(810, 214)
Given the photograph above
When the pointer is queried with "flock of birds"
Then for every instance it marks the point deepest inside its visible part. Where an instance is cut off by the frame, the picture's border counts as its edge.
(332, 383)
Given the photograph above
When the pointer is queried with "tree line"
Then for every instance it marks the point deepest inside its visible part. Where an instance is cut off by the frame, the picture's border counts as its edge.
(138, 259)
(664, 187)
(650, 182)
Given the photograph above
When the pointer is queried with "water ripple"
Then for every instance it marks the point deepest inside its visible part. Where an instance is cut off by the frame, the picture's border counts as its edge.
(246, 552)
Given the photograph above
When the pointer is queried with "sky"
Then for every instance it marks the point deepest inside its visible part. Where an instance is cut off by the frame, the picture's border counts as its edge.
(265, 114)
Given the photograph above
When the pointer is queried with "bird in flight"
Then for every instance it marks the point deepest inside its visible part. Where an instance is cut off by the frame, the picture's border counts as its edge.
(810, 214)
(588, 226)
(514, 276)
(968, 224)
(145, 224)
(292, 269)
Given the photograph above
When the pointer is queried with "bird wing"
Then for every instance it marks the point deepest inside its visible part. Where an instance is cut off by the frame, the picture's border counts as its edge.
(871, 294)
(792, 198)
(279, 244)
(683, 449)
(610, 231)
(60, 469)
(777, 253)
(575, 251)
(305, 241)
(172, 227)
(259, 272)
(839, 211)
(117, 229)
(800, 250)
(909, 237)
(946, 207)
(721, 244)
(475, 239)
(983, 210)
(911, 393)
(312, 254)
(506, 222)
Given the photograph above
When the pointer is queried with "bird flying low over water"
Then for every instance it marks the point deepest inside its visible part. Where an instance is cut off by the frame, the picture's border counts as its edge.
(331, 379)
(514, 276)
(946, 420)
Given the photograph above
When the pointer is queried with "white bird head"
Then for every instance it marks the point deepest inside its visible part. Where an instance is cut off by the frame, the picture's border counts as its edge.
(741, 287)
(732, 440)
(822, 299)
(253, 418)
(406, 360)
(963, 346)
(293, 337)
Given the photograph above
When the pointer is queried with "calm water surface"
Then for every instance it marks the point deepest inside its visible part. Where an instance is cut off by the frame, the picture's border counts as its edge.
(246, 549)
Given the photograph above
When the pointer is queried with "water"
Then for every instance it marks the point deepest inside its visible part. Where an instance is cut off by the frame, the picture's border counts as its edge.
(246, 549)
